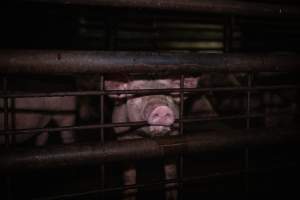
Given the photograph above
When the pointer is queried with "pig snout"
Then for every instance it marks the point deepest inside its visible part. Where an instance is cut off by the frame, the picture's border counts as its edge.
(160, 116)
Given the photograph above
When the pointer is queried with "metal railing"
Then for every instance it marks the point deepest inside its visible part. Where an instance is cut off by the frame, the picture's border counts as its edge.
(203, 6)
(103, 62)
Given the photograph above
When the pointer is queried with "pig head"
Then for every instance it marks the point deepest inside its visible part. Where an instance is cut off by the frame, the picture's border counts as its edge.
(159, 111)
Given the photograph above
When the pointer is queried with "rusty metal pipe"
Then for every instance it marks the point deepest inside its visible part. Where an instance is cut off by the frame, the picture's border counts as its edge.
(51, 62)
(204, 6)
(24, 159)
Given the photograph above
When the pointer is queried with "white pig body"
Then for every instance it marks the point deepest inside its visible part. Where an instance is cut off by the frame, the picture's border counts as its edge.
(37, 112)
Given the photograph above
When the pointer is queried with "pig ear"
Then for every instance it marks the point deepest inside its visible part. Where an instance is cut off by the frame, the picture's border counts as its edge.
(116, 85)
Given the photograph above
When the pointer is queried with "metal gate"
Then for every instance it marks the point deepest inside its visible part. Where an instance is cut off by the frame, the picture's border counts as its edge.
(247, 76)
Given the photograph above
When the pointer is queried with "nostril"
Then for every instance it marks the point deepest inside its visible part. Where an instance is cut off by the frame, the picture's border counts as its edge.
(156, 116)
(168, 115)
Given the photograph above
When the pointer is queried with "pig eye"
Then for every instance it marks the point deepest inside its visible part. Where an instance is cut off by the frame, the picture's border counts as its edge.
(168, 115)
(155, 115)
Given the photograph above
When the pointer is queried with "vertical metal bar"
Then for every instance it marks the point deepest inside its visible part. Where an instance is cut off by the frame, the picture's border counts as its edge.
(181, 110)
(102, 108)
(110, 43)
(102, 132)
(249, 84)
(248, 124)
(181, 104)
(110, 32)
(13, 120)
(228, 35)
(7, 136)
(6, 114)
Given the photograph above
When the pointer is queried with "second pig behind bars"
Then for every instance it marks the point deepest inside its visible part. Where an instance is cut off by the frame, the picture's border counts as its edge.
(159, 111)
(36, 113)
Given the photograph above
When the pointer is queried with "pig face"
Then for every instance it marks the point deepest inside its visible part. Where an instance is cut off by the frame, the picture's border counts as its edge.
(160, 111)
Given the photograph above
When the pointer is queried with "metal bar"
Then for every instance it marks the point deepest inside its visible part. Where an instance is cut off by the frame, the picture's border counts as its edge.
(80, 62)
(148, 91)
(181, 132)
(7, 178)
(181, 110)
(205, 6)
(121, 124)
(23, 159)
(84, 127)
(249, 85)
(102, 138)
(110, 43)
(13, 120)
(248, 125)
(213, 118)
(6, 114)
(140, 123)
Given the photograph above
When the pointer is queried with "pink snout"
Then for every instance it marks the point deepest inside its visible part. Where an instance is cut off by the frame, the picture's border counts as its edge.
(162, 116)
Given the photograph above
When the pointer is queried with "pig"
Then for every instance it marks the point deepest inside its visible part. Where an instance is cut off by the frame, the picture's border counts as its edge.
(271, 103)
(159, 111)
(37, 112)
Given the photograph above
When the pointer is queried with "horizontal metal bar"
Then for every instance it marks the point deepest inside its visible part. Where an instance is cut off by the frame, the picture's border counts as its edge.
(74, 128)
(205, 6)
(147, 91)
(23, 159)
(222, 118)
(188, 119)
(105, 62)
